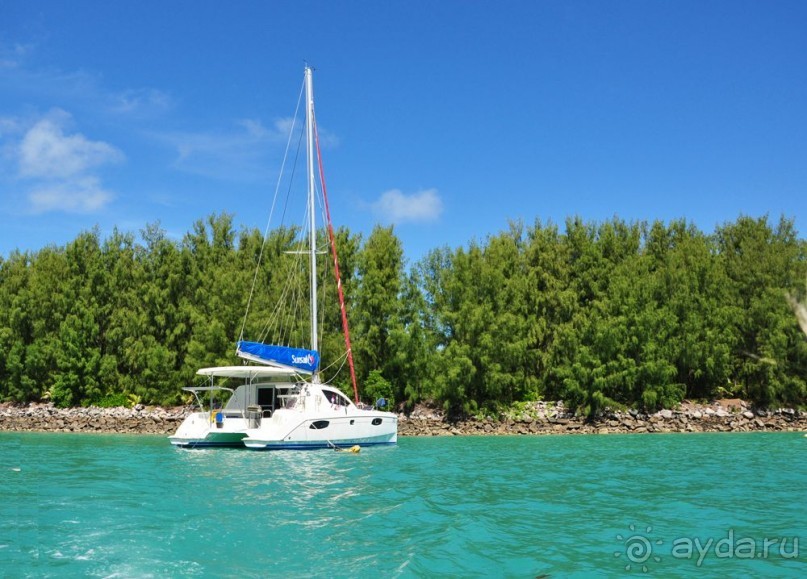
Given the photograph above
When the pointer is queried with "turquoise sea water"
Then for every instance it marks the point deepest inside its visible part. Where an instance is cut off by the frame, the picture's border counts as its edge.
(557, 506)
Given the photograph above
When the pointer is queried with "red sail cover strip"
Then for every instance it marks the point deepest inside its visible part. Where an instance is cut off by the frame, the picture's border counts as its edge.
(336, 271)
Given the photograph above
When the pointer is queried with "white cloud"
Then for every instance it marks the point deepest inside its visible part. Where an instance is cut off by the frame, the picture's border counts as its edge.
(46, 152)
(8, 126)
(83, 195)
(79, 89)
(12, 56)
(254, 128)
(239, 153)
(285, 125)
(143, 102)
(62, 167)
(247, 150)
(394, 206)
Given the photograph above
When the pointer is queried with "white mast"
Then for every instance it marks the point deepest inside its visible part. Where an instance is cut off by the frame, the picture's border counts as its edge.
(309, 116)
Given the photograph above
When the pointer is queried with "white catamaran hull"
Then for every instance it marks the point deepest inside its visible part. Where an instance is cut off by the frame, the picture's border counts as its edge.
(289, 430)
(200, 430)
(214, 426)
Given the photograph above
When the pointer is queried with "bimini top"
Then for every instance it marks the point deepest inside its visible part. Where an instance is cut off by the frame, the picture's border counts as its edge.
(244, 372)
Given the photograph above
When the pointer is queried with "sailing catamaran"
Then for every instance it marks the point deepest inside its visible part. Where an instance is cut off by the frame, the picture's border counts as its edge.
(282, 403)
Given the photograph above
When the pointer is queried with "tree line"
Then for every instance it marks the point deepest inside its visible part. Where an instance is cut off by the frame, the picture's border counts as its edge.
(601, 315)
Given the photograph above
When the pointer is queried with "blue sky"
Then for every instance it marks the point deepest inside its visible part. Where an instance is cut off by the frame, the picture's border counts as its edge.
(446, 118)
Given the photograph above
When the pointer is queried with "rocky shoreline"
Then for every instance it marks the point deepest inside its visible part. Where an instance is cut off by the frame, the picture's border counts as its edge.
(536, 419)
(48, 418)
(548, 418)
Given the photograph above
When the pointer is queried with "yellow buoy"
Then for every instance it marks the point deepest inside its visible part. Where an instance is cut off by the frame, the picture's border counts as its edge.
(355, 449)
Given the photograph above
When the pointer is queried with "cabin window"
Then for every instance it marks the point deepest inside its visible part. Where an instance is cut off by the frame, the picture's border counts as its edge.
(376, 421)
(335, 398)
(319, 425)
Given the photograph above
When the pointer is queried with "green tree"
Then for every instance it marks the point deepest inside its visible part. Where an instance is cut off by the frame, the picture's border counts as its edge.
(763, 264)
(376, 311)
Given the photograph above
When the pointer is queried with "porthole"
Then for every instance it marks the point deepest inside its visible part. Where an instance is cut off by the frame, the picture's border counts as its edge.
(319, 425)
(376, 421)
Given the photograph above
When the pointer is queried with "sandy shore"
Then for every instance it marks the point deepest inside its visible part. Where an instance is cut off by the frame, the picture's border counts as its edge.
(539, 418)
